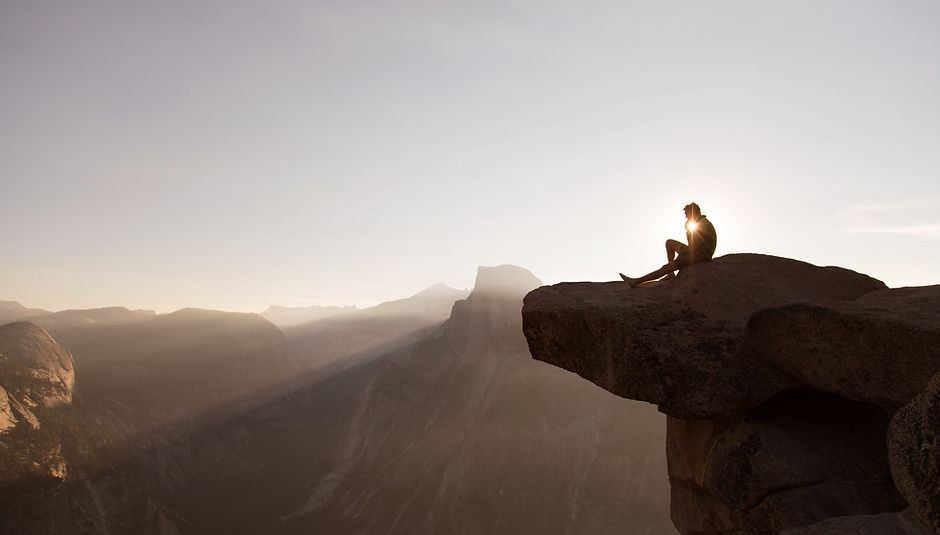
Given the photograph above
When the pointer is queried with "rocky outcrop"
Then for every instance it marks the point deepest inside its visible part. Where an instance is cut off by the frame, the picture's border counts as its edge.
(7, 420)
(36, 382)
(680, 345)
(70, 319)
(914, 448)
(28, 345)
(779, 379)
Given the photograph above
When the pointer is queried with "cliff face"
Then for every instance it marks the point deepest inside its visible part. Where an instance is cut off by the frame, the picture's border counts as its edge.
(466, 434)
(50, 366)
(779, 380)
(37, 378)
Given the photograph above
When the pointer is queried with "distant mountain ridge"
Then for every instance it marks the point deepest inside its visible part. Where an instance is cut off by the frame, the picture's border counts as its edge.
(432, 302)
(333, 344)
(13, 311)
(284, 316)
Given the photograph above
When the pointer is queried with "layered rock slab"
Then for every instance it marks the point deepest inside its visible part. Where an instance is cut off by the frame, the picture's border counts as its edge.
(881, 348)
(680, 344)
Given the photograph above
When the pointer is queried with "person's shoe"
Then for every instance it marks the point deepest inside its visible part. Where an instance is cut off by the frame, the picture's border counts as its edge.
(628, 280)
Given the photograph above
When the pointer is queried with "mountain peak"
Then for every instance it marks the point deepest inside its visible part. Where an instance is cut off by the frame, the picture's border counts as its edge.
(439, 290)
(13, 311)
(27, 342)
(505, 278)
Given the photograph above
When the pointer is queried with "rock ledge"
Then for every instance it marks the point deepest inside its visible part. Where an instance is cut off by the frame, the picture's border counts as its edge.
(779, 379)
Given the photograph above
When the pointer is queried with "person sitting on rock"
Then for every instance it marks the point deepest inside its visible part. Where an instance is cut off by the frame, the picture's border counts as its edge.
(702, 239)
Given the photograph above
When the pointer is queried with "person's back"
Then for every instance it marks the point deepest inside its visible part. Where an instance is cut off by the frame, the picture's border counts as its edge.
(703, 240)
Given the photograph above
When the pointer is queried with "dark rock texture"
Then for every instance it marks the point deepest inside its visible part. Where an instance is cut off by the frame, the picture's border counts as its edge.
(903, 523)
(798, 459)
(880, 348)
(779, 379)
(680, 344)
(914, 453)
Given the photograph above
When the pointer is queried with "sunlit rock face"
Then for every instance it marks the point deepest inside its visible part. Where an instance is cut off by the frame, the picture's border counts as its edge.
(7, 420)
(37, 378)
(28, 345)
(779, 379)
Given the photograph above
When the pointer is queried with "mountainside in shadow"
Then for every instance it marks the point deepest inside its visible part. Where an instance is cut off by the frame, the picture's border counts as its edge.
(467, 434)
(201, 422)
(192, 422)
(326, 347)
(125, 448)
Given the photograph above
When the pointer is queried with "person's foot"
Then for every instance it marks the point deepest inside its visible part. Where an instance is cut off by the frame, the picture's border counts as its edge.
(628, 280)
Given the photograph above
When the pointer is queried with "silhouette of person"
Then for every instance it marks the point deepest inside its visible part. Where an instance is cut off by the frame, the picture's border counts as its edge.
(702, 238)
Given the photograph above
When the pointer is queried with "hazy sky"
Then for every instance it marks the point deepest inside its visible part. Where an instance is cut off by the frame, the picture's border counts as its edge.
(231, 154)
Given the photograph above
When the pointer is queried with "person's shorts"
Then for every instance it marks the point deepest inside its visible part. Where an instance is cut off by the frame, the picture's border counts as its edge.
(686, 259)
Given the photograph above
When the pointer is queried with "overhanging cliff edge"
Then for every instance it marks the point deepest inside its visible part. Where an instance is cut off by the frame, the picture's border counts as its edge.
(759, 362)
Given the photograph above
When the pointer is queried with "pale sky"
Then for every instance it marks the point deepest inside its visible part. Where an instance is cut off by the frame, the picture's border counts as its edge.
(234, 154)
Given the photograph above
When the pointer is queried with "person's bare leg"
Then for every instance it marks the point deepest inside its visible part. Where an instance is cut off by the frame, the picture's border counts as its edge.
(654, 275)
(673, 248)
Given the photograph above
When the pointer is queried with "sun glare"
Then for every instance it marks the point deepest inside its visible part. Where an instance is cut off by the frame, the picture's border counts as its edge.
(690, 226)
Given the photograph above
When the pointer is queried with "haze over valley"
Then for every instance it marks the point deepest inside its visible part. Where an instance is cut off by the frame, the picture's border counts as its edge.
(421, 415)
